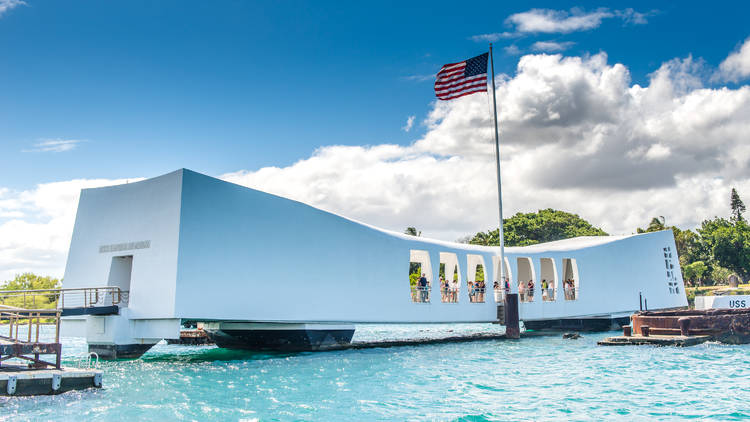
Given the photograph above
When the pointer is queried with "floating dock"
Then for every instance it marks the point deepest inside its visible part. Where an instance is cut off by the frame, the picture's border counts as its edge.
(24, 371)
(17, 380)
(655, 340)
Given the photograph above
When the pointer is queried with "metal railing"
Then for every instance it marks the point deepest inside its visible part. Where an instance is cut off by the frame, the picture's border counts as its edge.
(89, 361)
(526, 294)
(26, 344)
(476, 294)
(85, 297)
(500, 294)
(571, 294)
(14, 318)
(449, 295)
(548, 294)
(420, 294)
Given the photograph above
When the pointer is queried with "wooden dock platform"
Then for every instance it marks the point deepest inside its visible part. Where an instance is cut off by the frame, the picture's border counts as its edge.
(19, 380)
(24, 369)
(655, 340)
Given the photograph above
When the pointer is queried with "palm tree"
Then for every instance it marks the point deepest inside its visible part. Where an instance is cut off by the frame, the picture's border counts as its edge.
(412, 231)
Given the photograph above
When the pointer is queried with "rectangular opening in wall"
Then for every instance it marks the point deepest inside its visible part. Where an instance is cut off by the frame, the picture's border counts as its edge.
(526, 279)
(120, 271)
(475, 280)
(449, 277)
(548, 285)
(420, 276)
(571, 283)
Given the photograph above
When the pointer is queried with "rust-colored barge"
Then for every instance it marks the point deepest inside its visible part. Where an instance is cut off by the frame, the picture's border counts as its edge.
(685, 328)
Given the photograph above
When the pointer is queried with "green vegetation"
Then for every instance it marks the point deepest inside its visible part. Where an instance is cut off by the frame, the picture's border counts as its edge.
(716, 250)
(29, 281)
(414, 267)
(479, 276)
(692, 292)
(414, 273)
(738, 207)
(412, 231)
(542, 226)
(694, 271)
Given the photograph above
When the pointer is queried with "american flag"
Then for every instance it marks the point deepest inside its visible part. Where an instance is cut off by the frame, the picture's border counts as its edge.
(458, 79)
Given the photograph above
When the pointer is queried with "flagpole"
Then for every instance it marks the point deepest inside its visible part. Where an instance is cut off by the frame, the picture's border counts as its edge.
(512, 328)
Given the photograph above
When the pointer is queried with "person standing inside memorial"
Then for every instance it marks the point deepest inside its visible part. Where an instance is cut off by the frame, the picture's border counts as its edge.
(422, 286)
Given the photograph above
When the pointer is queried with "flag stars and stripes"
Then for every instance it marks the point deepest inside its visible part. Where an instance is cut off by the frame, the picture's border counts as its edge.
(458, 79)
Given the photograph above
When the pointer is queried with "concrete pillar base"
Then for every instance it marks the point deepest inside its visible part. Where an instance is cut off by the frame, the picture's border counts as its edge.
(512, 324)
(119, 351)
(282, 337)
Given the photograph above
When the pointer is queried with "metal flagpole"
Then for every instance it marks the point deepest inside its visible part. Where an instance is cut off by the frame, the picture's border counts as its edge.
(512, 327)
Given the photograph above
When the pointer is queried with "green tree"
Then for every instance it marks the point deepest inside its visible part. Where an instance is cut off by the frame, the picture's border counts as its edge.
(414, 267)
(720, 275)
(542, 226)
(415, 271)
(695, 270)
(479, 276)
(729, 243)
(690, 248)
(738, 207)
(30, 281)
(412, 231)
(488, 238)
(654, 226)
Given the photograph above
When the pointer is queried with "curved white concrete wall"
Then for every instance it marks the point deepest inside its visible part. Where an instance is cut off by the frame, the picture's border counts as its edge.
(611, 274)
(220, 251)
(248, 255)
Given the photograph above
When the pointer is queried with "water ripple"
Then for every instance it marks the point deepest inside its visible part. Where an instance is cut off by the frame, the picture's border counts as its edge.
(538, 378)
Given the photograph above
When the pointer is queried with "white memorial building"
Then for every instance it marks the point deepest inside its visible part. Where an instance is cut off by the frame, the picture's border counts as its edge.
(265, 272)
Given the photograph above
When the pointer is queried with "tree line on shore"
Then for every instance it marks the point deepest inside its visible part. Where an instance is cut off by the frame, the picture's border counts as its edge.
(29, 281)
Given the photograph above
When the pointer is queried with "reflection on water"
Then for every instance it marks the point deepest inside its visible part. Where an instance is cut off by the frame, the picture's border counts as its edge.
(538, 378)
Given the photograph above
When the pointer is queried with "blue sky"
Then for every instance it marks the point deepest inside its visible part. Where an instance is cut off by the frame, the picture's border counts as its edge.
(616, 111)
(148, 87)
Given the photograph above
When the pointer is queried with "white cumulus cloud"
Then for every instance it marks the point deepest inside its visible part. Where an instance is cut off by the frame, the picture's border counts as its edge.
(736, 66)
(576, 134)
(409, 123)
(549, 21)
(558, 21)
(6, 5)
(36, 226)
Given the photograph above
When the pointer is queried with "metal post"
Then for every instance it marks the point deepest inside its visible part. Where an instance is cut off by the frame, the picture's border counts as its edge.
(640, 301)
(512, 327)
(57, 328)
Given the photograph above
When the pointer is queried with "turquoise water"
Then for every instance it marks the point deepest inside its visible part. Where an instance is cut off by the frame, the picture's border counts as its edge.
(538, 378)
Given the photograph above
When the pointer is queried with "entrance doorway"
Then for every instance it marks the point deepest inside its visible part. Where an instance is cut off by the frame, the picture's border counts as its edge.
(119, 272)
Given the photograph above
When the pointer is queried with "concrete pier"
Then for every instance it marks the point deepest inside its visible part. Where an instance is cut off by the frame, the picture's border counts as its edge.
(17, 380)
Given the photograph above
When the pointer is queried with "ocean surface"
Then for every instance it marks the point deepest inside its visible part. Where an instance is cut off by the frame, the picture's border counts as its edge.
(535, 378)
